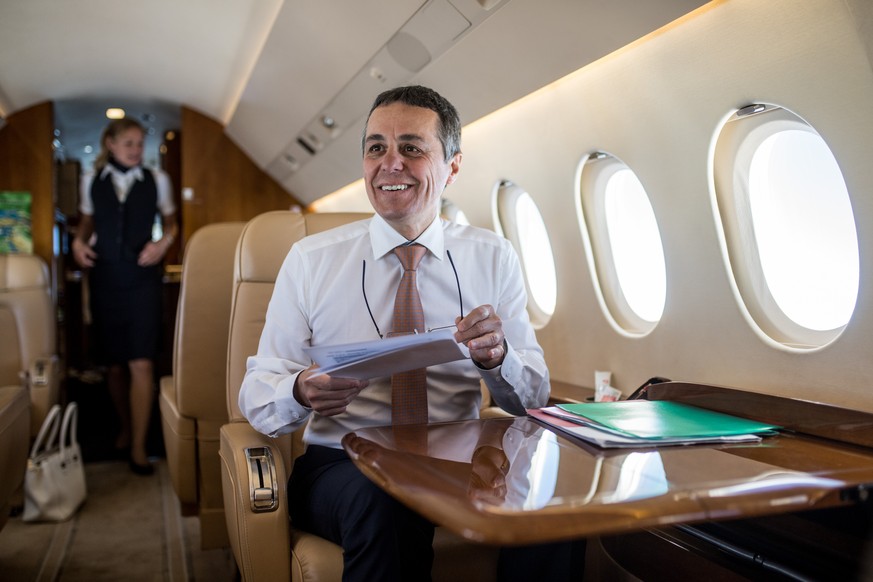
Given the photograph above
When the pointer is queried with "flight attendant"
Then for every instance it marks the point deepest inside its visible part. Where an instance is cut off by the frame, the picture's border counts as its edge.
(119, 202)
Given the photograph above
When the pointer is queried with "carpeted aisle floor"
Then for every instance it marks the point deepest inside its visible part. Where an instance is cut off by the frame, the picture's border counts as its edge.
(130, 528)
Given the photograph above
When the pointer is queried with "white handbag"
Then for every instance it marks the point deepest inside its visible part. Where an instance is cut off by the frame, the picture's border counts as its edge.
(54, 485)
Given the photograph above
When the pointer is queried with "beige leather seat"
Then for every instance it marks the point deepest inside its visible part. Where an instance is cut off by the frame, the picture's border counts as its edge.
(14, 442)
(255, 467)
(28, 325)
(192, 400)
(28, 366)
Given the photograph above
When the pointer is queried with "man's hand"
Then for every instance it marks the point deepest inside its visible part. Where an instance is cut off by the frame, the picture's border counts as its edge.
(323, 394)
(482, 332)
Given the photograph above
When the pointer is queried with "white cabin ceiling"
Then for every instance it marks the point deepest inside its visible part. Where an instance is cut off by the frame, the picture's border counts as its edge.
(268, 69)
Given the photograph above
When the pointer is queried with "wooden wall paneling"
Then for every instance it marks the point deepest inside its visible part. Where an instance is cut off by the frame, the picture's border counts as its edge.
(171, 163)
(27, 164)
(225, 183)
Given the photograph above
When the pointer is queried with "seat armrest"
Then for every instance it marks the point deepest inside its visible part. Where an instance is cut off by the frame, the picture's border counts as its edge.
(260, 538)
(43, 383)
(180, 445)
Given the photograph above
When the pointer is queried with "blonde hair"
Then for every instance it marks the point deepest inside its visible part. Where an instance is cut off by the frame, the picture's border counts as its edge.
(115, 128)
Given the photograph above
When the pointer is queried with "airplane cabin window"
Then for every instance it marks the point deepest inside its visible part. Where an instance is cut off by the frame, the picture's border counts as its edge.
(626, 255)
(788, 226)
(520, 221)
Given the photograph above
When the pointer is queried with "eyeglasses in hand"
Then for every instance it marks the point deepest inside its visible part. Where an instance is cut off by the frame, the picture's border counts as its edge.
(400, 333)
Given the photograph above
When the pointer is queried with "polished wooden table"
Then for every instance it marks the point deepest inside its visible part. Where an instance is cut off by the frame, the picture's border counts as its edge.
(516, 481)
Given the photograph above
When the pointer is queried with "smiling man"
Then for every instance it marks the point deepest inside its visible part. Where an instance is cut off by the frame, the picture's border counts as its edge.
(407, 166)
(467, 277)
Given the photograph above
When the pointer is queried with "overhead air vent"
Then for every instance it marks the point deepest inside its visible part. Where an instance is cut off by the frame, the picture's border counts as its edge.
(289, 161)
(309, 143)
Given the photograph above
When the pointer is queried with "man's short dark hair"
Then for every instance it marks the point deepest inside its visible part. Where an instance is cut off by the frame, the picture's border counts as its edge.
(449, 130)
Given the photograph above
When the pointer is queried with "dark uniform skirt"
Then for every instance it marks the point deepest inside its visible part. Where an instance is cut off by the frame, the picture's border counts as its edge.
(126, 310)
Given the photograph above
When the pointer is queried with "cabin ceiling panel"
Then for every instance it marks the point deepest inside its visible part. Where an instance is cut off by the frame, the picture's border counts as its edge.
(196, 52)
(532, 43)
(522, 47)
(267, 69)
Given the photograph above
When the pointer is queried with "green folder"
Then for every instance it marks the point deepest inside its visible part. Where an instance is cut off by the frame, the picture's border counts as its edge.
(655, 419)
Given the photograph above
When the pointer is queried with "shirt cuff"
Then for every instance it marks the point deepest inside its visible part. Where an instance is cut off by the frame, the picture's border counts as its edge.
(288, 411)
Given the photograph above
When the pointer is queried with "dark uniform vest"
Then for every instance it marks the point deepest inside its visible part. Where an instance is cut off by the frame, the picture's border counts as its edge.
(123, 229)
(125, 297)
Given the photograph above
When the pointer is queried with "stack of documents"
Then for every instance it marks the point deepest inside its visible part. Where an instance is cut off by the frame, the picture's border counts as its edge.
(383, 357)
(645, 423)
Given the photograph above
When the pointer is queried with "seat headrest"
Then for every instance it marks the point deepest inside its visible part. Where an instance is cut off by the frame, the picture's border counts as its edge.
(262, 247)
(202, 321)
(264, 242)
(266, 239)
(22, 272)
(318, 222)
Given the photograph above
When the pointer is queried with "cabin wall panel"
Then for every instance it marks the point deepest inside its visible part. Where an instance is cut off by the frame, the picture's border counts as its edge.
(657, 104)
(862, 13)
(226, 184)
(27, 164)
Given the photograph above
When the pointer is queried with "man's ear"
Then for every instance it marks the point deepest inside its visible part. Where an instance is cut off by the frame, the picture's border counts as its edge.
(455, 164)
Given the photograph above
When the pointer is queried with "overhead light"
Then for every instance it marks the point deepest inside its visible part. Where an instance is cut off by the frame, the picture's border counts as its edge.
(115, 113)
(376, 73)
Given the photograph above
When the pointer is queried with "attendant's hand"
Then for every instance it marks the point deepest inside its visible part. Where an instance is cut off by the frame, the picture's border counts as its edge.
(482, 332)
(326, 395)
(153, 252)
(83, 253)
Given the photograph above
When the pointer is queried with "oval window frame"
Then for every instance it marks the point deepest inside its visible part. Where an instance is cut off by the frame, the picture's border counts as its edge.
(505, 196)
(592, 176)
(735, 143)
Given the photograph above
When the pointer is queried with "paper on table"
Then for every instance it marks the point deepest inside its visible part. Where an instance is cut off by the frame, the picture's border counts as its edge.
(376, 358)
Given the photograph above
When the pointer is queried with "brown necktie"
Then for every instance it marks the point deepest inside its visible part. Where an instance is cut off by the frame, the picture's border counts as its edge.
(409, 389)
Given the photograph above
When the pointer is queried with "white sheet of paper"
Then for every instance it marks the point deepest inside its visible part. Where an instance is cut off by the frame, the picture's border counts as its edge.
(383, 357)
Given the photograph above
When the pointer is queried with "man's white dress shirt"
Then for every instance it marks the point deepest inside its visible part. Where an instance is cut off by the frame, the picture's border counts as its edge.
(318, 300)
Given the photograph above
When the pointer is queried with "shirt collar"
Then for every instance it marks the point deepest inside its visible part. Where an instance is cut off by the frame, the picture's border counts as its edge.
(135, 173)
(384, 238)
